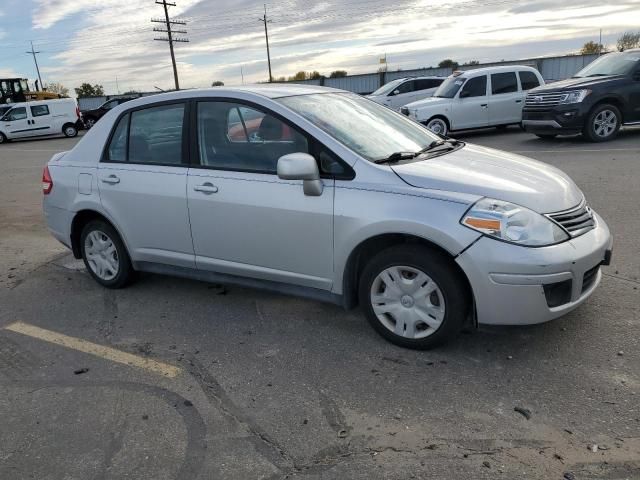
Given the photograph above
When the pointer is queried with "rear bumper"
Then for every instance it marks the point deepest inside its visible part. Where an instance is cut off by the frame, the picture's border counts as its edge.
(508, 281)
(58, 222)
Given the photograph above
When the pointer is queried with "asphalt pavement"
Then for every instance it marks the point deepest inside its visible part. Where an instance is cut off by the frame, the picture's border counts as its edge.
(177, 379)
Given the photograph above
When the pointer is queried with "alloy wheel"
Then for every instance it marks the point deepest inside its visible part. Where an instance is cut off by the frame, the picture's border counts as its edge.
(605, 123)
(407, 302)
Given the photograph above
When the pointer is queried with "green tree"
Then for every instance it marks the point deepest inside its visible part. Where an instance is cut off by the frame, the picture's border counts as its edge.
(628, 40)
(217, 83)
(58, 88)
(448, 63)
(591, 48)
(338, 74)
(471, 62)
(280, 79)
(314, 75)
(298, 76)
(88, 90)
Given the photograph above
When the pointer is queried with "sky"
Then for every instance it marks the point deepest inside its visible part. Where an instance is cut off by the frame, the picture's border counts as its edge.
(111, 42)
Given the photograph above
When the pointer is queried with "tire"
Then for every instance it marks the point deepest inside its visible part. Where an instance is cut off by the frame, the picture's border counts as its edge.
(438, 125)
(401, 313)
(69, 130)
(113, 269)
(3, 138)
(603, 123)
(546, 136)
(90, 122)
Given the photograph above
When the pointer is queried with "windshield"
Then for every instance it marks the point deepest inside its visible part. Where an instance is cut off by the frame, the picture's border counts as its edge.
(369, 129)
(610, 64)
(449, 87)
(388, 87)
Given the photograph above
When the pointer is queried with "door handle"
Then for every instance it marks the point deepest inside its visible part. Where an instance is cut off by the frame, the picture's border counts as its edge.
(111, 179)
(484, 105)
(207, 188)
(518, 101)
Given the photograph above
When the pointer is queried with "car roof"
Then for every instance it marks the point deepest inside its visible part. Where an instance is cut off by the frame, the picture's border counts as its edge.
(273, 90)
(41, 102)
(496, 69)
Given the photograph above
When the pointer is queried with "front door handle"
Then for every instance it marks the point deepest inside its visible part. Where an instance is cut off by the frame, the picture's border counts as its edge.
(484, 105)
(207, 188)
(111, 179)
(518, 101)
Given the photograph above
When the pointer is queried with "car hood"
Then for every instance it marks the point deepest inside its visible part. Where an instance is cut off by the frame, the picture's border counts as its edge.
(428, 102)
(493, 173)
(573, 83)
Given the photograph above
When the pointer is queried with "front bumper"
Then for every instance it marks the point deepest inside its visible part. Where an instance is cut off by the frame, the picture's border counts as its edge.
(561, 119)
(508, 280)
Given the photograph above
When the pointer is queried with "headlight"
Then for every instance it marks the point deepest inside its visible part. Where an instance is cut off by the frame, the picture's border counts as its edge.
(513, 223)
(575, 96)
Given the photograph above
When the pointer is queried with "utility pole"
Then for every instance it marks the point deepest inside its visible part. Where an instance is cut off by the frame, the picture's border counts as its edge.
(242, 74)
(600, 44)
(266, 36)
(33, 52)
(170, 38)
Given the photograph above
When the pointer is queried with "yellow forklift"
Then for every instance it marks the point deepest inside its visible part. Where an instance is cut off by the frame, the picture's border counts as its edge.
(15, 90)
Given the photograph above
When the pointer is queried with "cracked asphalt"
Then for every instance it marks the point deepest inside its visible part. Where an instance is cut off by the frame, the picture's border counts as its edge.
(274, 387)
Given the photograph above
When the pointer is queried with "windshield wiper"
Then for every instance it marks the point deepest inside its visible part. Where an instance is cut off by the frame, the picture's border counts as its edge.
(399, 156)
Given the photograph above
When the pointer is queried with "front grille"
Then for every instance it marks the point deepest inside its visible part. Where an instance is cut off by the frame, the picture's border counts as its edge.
(576, 221)
(542, 101)
(589, 277)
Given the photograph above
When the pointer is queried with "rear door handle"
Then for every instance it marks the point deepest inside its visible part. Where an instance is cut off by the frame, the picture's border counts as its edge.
(111, 179)
(207, 188)
(484, 105)
(518, 101)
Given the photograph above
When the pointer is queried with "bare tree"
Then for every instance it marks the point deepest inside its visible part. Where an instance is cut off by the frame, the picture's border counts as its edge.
(628, 40)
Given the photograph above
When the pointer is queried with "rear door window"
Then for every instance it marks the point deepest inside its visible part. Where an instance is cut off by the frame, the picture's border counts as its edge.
(39, 110)
(504, 83)
(528, 80)
(155, 135)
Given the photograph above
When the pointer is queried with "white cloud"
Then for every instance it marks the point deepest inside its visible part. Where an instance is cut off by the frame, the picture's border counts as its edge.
(114, 37)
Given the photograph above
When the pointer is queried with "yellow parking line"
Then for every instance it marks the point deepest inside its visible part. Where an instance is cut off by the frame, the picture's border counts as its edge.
(94, 349)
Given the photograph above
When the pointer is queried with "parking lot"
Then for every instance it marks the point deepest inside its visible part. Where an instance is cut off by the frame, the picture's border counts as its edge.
(177, 379)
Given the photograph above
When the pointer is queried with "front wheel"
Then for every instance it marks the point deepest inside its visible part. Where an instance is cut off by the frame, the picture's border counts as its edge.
(70, 131)
(414, 297)
(438, 125)
(603, 123)
(3, 138)
(105, 255)
(90, 122)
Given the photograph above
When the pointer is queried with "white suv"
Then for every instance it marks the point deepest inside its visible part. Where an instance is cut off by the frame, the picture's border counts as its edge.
(319, 192)
(486, 97)
(401, 91)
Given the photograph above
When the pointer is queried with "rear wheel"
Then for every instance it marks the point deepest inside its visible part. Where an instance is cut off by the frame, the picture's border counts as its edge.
(546, 136)
(413, 296)
(105, 255)
(90, 122)
(69, 130)
(3, 139)
(603, 123)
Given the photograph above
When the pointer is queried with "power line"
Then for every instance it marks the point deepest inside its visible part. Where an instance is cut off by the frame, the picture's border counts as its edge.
(266, 37)
(35, 60)
(168, 23)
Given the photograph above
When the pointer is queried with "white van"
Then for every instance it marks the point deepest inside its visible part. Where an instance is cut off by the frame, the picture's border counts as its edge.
(401, 91)
(40, 118)
(484, 97)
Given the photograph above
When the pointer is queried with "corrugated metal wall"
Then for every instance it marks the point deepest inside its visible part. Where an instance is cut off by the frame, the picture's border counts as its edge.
(551, 68)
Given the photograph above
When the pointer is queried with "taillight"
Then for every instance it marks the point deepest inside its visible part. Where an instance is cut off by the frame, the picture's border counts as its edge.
(47, 183)
(78, 112)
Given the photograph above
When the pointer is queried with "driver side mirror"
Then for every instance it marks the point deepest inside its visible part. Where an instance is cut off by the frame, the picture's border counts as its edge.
(464, 94)
(301, 166)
